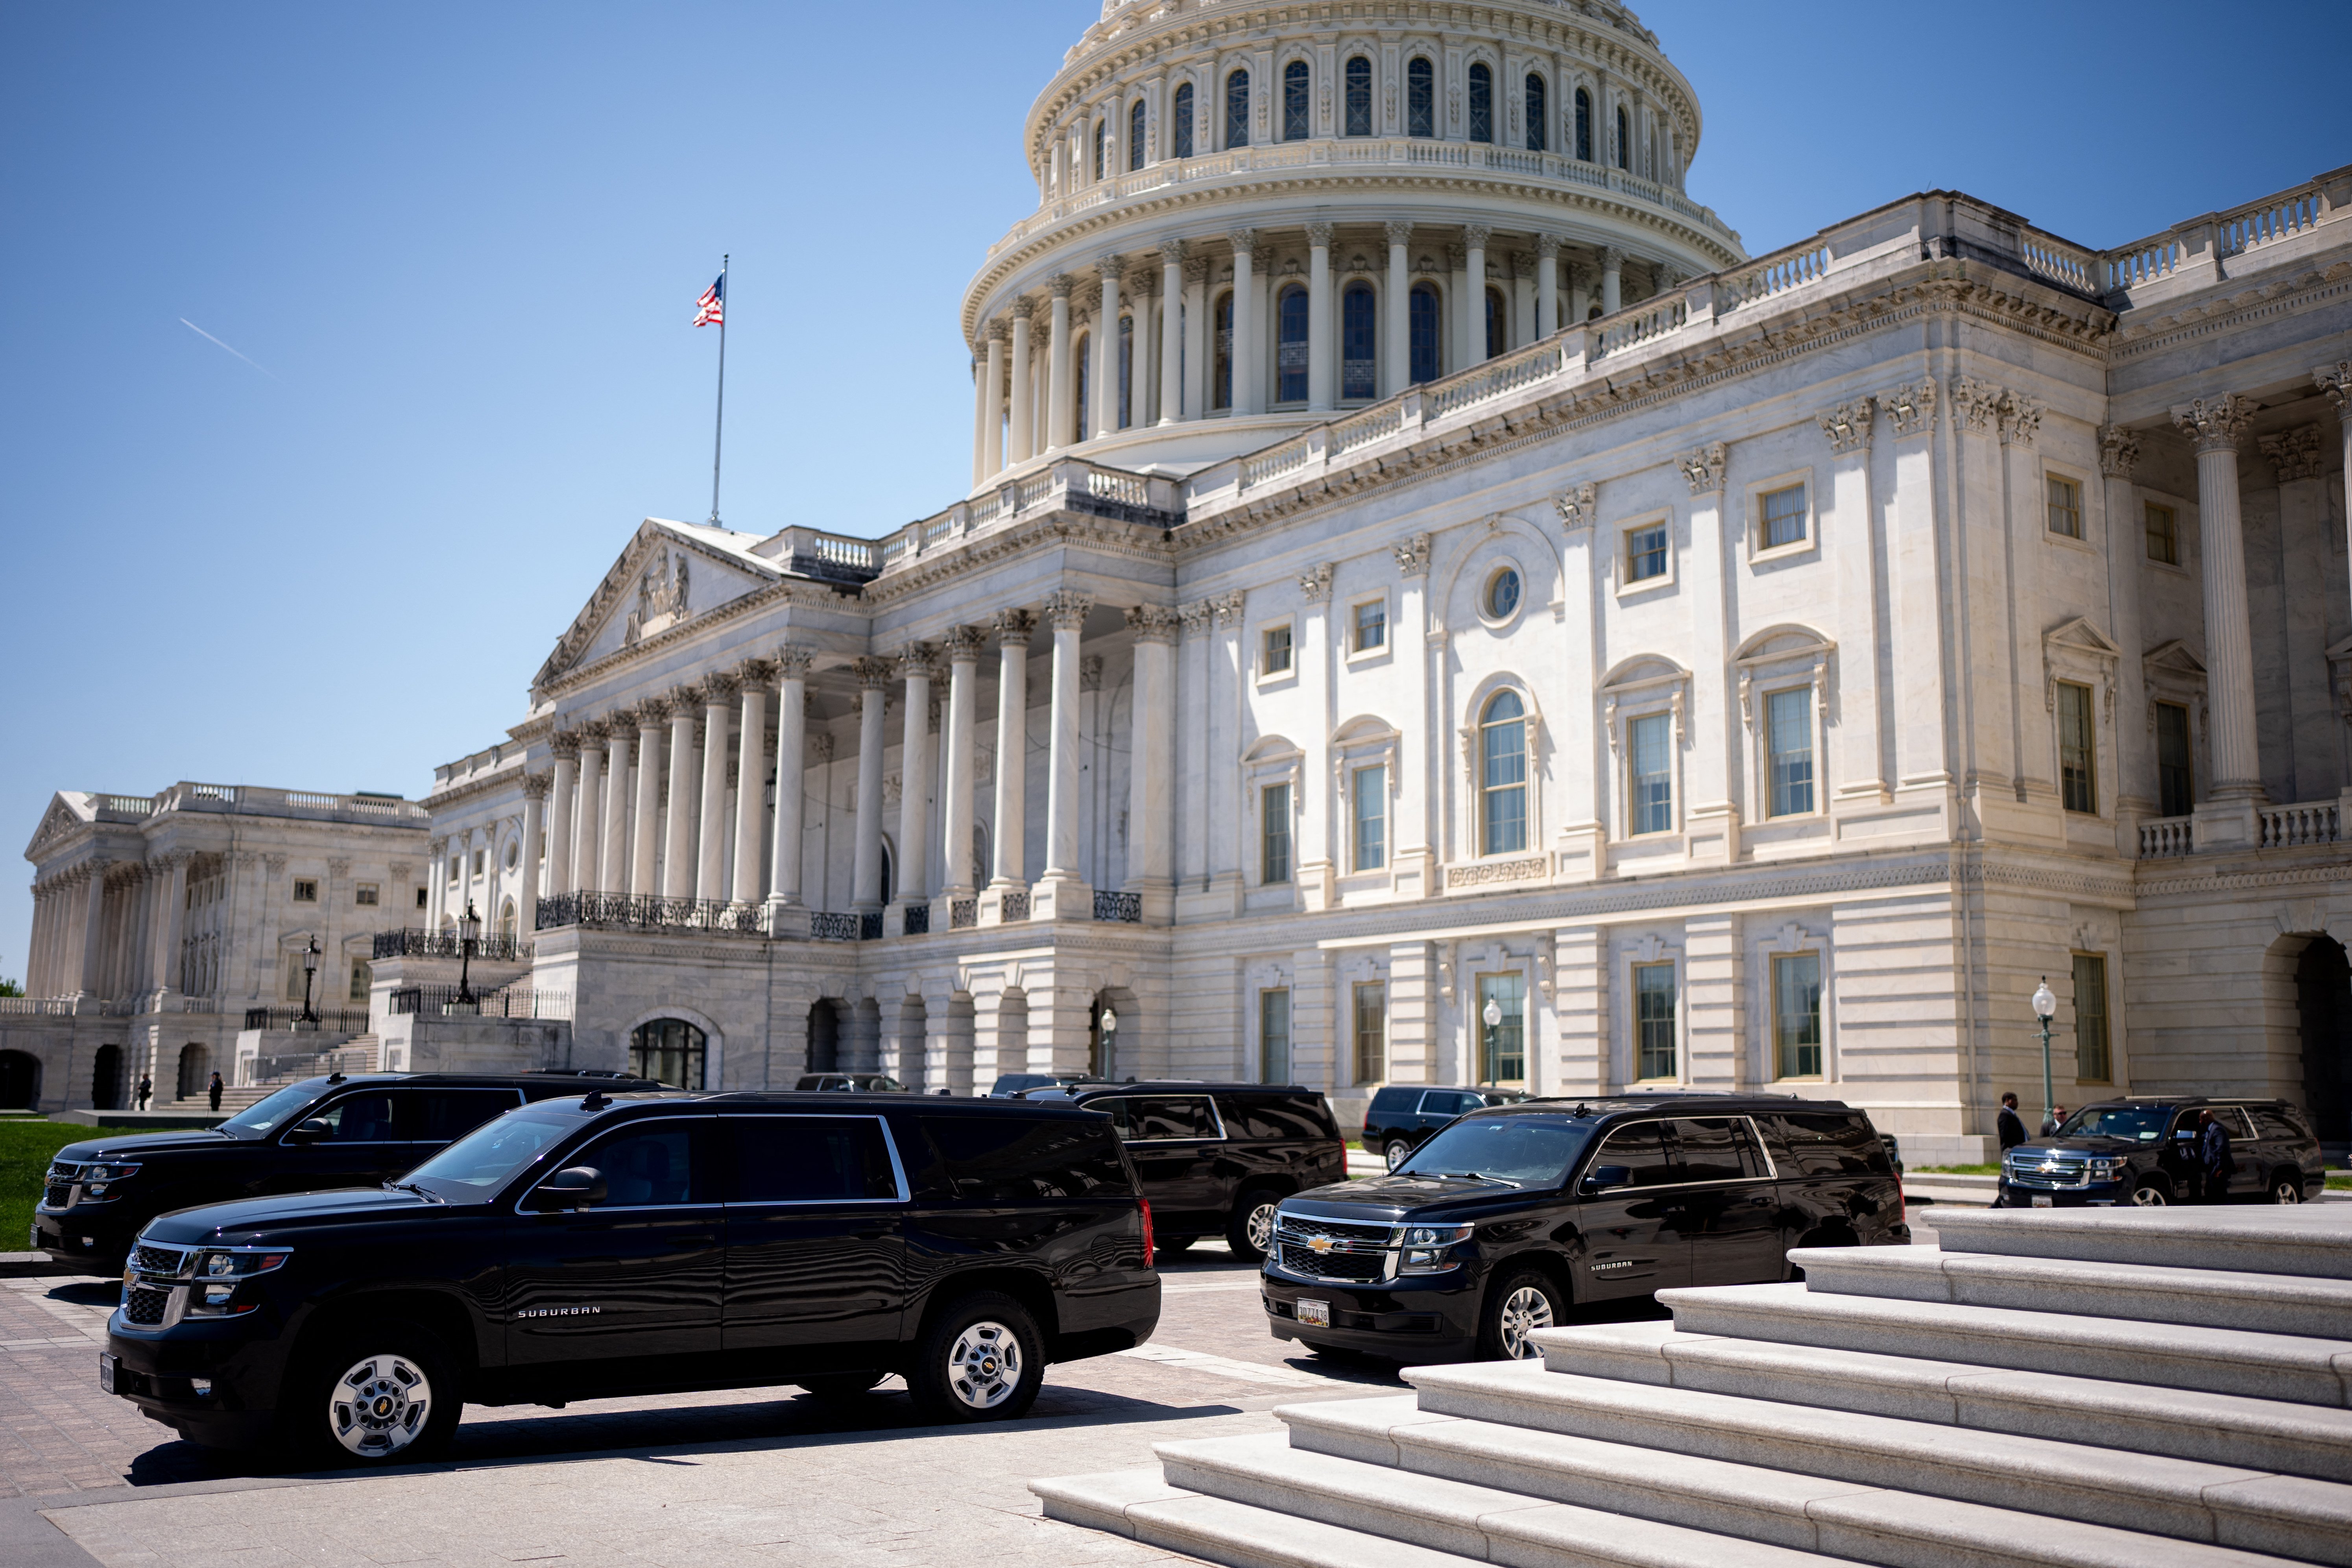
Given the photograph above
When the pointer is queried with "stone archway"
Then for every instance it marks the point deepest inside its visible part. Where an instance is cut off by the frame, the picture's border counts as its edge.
(1112, 1052)
(106, 1079)
(195, 1064)
(2323, 994)
(824, 1036)
(20, 1081)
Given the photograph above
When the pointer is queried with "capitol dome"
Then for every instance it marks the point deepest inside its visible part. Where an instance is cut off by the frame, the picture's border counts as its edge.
(1254, 216)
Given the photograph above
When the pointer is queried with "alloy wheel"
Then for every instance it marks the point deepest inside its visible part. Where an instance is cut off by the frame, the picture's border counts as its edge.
(2150, 1197)
(1524, 1310)
(2284, 1191)
(1397, 1153)
(984, 1366)
(379, 1405)
(1259, 1226)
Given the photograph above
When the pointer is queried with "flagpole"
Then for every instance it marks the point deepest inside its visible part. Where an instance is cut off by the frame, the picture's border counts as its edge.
(719, 434)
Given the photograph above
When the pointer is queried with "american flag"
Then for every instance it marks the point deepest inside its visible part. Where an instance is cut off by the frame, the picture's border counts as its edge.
(710, 310)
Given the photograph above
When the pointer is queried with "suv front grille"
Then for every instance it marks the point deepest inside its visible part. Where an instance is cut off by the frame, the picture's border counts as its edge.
(144, 1304)
(1362, 1267)
(57, 1197)
(2049, 1174)
(166, 1261)
(1300, 1228)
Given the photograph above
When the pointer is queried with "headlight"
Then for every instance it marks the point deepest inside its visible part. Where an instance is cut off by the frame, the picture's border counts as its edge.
(109, 1173)
(1427, 1245)
(218, 1275)
(2108, 1169)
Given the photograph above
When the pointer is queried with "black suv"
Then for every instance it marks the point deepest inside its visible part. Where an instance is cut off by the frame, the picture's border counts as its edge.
(631, 1243)
(1402, 1116)
(1216, 1158)
(1509, 1215)
(337, 1131)
(2143, 1150)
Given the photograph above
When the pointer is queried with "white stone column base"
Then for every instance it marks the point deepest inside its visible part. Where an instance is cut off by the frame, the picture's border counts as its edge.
(1055, 898)
(788, 921)
(2220, 826)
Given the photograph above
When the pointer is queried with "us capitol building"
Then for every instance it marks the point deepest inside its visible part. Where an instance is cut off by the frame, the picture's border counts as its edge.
(1431, 607)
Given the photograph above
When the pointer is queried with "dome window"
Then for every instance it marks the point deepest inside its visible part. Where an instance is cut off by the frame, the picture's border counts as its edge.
(1360, 96)
(1538, 114)
(1237, 110)
(1294, 126)
(1421, 98)
(1584, 125)
(1183, 121)
(1482, 103)
(1135, 135)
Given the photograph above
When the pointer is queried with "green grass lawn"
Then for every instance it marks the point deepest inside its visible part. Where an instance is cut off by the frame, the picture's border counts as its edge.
(1956, 1170)
(2339, 1181)
(25, 1146)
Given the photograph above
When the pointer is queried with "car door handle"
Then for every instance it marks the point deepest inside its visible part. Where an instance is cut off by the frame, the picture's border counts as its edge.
(1761, 1202)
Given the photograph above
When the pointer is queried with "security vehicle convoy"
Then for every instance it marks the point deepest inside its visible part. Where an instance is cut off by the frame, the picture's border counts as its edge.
(2142, 1151)
(625, 1243)
(1510, 1215)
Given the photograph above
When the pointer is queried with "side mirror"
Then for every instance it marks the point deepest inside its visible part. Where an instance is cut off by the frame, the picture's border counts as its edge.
(314, 1130)
(577, 1187)
(1601, 1178)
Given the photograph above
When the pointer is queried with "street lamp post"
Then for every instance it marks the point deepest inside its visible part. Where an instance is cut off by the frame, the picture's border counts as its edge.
(2045, 1007)
(309, 976)
(469, 926)
(1492, 1018)
(1110, 1043)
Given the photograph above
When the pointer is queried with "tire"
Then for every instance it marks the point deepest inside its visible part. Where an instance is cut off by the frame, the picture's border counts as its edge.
(982, 1359)
(1250, 1231)
(2287, 1188)
(2153, 1193)
(841, 1387)
(1523, 1300)
(381, 1394)
(1396, 1152)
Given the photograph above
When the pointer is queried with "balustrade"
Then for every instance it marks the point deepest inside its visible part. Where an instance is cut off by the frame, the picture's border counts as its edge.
(650, 911)
(2292, 827)
(832, 925)
(498, 948)
(328, 1020)
(918, 919)
(2165, 837)
(1124, 909)
(1013, 907)
(506, 1002)
(963, 913)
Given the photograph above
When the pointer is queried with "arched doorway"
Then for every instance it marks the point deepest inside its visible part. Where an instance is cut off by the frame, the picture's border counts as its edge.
(106, 1079)
(195, 1062)
(2323, 995)
(668, 1050)
(823, 1037)
(1112, 1042)
(20, 1081)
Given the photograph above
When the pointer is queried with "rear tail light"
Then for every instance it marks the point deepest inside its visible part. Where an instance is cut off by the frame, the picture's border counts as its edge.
(1149, 1251)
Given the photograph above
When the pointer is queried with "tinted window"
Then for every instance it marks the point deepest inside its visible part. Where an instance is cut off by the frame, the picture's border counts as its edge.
(263, 1115)
(357, 1119)
(1008, 1159)
(2275, 1122)
(1143, 1118)
(647, 1165)
(810, 1159)
(2233, 1118)
(484, 1160)
(1715, 1149)
(438, 1115)
(1392, 1102)
(1639, 1149)
(1529, 1151)
(1830, 1143)
(1273, 1118)
(1446, 1102)
(2141, 1123)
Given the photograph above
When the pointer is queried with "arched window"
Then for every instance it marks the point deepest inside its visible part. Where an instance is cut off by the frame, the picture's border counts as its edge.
(1082, 361)
(1359, 335)
(1538, 114)
(1360, 96)
(668, 1050)
(1624, 141)
(1237, 110)
(1295, 127)
(1498, 323)
(1482, 103)
(1584, 125)
(1221, 353)
(1503, 776)
(1126, 371)
(1102, 148)
(1290, 352)
(1420, 98)
(1183, 118)
(1421, 332)
(1135, 135)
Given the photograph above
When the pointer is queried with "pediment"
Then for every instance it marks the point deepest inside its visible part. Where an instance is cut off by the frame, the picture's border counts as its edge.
(1643, 670)
(68, 810)
(2174, 657)
(2081, 635)
(1784, 642)
(669, 574)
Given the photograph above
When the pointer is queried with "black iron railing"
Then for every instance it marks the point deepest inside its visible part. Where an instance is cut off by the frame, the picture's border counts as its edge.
(506, 1002)
(828, 925)
(495, 948)
(1015, 907)
(648, 911)
(963, 913)
(328, 1020)
(918, 919)
(869, 926)
(1121, 907)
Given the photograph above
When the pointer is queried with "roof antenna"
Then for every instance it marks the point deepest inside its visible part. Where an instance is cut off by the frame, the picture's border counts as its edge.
(597, 1100)
(1582, 1109)
(334, 1077)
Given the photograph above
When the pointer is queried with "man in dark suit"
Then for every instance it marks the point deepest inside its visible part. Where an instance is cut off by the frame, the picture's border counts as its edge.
(2011, 1126)
(2214, 1160)
(213, 1092)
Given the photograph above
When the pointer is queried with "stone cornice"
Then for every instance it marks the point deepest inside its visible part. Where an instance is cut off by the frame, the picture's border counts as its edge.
(793, 591)
(1133, 542)
(2202, 318)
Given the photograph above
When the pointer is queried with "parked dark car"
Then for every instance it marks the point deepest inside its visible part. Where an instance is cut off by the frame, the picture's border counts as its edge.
(335, 1131)
(1216, 1158)
(1009, 1084)
(634, 1244)
(1511, 1216)
(848, 1083)
(1402, 1116)
(2142, 1149)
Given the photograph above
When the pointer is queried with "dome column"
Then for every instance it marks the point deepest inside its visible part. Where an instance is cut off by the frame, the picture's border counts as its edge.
(1318, 318)
(1396, 348)
(1249, 368)
(1061, 405)
(1612, 270)
(1171, 330)
(1474, 294)
(1104, 385)
(1546, 285)
(992, 405)
(1024, 401)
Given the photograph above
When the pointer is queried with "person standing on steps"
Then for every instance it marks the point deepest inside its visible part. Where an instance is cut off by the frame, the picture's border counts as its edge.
(2214, 1160)
(2011, 1126)
(213, 1092)
(146, 1088)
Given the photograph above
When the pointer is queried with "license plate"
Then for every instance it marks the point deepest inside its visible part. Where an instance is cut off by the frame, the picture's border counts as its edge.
(2043, 1200)
(1315, 1313)
(106, 1365)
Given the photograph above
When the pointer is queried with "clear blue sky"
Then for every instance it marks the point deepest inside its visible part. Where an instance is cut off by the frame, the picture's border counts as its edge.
(460, 246)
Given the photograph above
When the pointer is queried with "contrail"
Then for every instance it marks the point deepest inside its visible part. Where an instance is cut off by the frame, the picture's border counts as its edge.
(210, 338)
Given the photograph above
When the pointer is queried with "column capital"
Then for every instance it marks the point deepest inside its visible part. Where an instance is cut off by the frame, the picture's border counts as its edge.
(1152, 624)
(1399, 233)
(1066, 611)
(793, 660)
(1229, 606)
(1194, 617)
(2216, 423)
(1244, 243)
(1546, 245)
(2118, 452)
(1705, 468)
(756, 674)
(962, 644)
(1458, 256)
(536, 785)
(2335, 382)
(999, 329)
(1523, 264)
(918, 661)
(1578, 505)
(2294, 454)
(565, 744)
(1476, 235)
(1196, 270)
(1910, 410)
(684, 697)
(1412, 557)
(1848, 426)
(1110, 267)
(1171, 252)
(1013, 627)
(1060, 284)
(1318, 233)
(873, 674)
(594, 733)
(719, 687)
(1315, 582)
(1579, 276)
(1612, 258)
(1024, 307)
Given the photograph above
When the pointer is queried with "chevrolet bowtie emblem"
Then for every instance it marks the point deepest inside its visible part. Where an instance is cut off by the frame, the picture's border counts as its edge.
(1320, 1245)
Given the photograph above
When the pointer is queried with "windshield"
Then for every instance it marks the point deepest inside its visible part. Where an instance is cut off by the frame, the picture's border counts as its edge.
(264, 1114)
(1526, 1151)
(2139, 1124)
(484, 1160)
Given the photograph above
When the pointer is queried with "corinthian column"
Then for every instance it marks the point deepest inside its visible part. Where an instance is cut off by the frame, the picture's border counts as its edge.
(1474, 298)
(1060, 392)
(1061, 891)
(792, 751)
(914, 779)
(1011, 748)
(1396, 314)
(612, 858)
(566, 747)
(1546, 285)
(644, 859)
(584, 826)
(1249, 368)
(751, 776)
(1024, 402)
(955, 840)
(2216, 426)
(534, 811)
(1171, 330)
(677, 823)
(1318, 318)
(710, 865)
(991, 406)
(1612, 276)
(866, 881)
(2335, 382)
(1106, 377)
(1152, 768)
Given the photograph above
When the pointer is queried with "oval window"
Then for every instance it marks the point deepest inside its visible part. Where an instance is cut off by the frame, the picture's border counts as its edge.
(1503, 594)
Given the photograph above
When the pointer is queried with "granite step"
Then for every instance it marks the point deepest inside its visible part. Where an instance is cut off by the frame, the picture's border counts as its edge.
(2296, 1368)
(2187, 1499)
(2209, 1298)
(1735, 1502)
(2220, 1429)
(2314, 1240)
(1140, 1505)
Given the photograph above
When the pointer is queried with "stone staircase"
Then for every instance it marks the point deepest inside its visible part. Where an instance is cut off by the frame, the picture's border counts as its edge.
(361, 1053)
(2166, 1388)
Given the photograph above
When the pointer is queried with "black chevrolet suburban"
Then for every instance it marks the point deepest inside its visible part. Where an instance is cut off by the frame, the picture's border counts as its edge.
(2142, 1149)
(1510, 1215)
(1402, 1117)
(1216, 1158)
(335, 1131)
(643, 1243)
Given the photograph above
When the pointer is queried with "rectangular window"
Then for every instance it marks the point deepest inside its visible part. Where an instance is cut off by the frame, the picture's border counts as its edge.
(422, 901)
(1274, 1037)
(1789, 740)
(479, 861)
(296, 979)
(1650, 742)
(1646, 552)
(2065, 507)
(1274, 850)
(2092, 1064)
(1796, 1014)
(1371, 1032)
(1276, 659)
(2163, 534)
(364, 894)
(2176, 789)
(456, 866)
(1372, 625)
(1504, 1053)
(305, 891)
(358, 980)
(2078, 782)
(1654, 1020)
(1784, 517)
(1370, 787)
